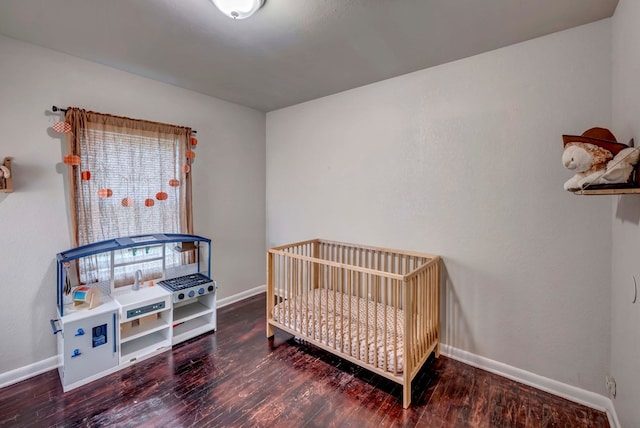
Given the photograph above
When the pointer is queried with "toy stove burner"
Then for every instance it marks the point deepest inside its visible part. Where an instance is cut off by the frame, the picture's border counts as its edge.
(188, 286)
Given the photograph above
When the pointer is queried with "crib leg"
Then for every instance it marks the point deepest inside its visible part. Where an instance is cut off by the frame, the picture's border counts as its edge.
(406, 394)
(437, 350)
(271, 331)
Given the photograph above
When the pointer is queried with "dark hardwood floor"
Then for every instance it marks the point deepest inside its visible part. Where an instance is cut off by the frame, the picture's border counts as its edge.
(236, 377)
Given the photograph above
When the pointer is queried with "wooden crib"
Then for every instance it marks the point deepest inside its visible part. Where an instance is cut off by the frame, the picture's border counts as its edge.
(376, 307)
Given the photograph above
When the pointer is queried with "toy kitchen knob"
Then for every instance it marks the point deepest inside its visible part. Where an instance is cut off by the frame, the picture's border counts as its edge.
(201, 290)
(192, 293)
(80, 332)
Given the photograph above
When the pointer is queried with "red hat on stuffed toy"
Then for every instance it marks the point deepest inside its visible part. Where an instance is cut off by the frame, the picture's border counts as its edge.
(601, 137)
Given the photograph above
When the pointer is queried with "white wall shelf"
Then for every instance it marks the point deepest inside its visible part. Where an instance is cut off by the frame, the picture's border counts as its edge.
(621, 191)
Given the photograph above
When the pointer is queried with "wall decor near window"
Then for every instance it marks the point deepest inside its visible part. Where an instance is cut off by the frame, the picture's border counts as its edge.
(62, 127)
(105, 193)
(6, 180)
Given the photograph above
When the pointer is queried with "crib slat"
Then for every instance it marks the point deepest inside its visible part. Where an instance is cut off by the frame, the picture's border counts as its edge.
(408, 338)
(357, 309)
(416, 318)
(366, 316)
(350, 284)
(424, 285)
(335, 285)
(395, 327)
(306, 318)
(429, 306)
(289, 285)
(314, 295)
(299, 285)
(434, 304)
(375, 322)
(422, 310)
(341, 294)
(378, 267)
(324, 327)
(386, 294)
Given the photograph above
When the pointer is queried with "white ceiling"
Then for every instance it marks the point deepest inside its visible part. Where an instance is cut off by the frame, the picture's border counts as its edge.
(290, 51)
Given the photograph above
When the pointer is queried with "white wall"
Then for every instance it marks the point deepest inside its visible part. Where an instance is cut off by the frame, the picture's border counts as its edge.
(463, 160)
(625, 258)
(229, 170)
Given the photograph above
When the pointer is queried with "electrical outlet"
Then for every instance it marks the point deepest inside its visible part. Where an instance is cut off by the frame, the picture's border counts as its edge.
(610, 384)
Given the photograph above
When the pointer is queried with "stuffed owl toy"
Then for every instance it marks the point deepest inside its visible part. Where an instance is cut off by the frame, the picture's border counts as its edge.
(588, 161)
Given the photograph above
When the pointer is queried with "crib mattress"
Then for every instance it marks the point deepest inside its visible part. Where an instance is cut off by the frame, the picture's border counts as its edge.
(369, 331)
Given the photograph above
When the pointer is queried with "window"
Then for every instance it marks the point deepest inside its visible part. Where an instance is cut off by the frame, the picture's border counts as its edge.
(129, 177)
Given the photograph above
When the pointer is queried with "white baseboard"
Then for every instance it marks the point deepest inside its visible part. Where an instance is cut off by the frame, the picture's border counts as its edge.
(241, 296)
(569, 392)
(22, 373)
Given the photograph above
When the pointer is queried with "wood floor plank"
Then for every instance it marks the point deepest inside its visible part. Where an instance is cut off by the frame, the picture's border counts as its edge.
(236, 377)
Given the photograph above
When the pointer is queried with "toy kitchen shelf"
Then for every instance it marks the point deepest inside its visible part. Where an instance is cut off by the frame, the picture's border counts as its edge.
(145, 322)
(105, 326)
(193, 318)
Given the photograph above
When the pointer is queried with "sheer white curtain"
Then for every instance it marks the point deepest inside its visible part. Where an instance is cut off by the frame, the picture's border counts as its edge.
(133, 179)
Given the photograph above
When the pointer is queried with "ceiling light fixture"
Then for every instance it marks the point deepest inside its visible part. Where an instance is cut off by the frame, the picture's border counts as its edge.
(238, 9)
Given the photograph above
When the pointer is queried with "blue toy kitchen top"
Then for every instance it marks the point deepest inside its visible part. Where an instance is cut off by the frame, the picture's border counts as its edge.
(121, 244)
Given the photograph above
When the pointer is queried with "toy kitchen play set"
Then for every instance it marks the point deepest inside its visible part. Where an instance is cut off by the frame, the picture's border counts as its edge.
(126, 299)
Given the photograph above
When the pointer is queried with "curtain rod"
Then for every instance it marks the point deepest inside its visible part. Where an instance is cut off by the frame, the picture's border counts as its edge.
(64, 110)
